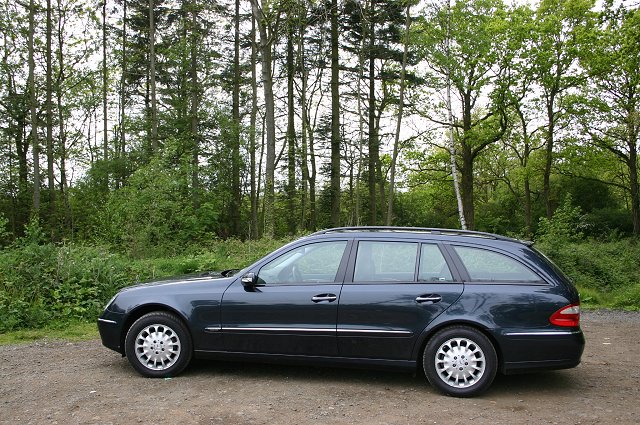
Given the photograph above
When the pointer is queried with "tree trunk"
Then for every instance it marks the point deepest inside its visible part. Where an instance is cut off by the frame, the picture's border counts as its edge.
(452, 146)
(34, 112)
(548, 159)
(303, 133)
(252, 132)
(313, 220)
(373, 136)
(291, 133)
(49, 89)
(335, 118)
(396, 142)
(361, 67)
(466, 172)
(61, 129)
(235, 144)
(105, 118)
(195, 101)
(123, 95)
(267, 79)
(632, 137)
(152, 78)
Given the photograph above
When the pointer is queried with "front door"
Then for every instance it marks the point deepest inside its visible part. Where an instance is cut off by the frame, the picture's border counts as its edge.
(293, 308)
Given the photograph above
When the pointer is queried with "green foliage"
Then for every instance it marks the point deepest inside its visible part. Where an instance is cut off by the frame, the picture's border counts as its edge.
(4, 233)
(601, 270)
(43, 283)
(565, 226)
(155, 212)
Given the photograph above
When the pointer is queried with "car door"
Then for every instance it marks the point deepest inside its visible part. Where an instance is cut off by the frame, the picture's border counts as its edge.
(392, 291)
(292, 308)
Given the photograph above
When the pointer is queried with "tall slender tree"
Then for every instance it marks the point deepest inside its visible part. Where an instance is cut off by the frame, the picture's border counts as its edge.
(292, 219)
(235, 138)
(153, 135)
(610, 53)
(268, 21)
(34, 110)
(396, 142)
(555, 54)
(49, 109)
(335, 117)
(105, 78)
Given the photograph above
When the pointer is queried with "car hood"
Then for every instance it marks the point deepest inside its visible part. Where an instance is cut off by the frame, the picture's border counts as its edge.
(188, 278)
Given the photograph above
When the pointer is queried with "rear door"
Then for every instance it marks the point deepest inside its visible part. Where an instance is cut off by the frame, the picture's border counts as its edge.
(393, 289)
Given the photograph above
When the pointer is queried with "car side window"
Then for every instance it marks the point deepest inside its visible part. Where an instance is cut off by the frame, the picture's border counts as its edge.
(385, 261)
(312, 263)
(433, 267)
(490, 266)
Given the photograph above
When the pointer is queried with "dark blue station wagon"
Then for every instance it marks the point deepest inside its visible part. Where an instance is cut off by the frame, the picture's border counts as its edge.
(460, 305)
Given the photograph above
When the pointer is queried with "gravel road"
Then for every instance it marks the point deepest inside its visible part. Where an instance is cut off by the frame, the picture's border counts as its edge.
(57, 382)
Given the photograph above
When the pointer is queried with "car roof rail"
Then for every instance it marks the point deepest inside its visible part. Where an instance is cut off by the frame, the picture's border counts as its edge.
(431, 230)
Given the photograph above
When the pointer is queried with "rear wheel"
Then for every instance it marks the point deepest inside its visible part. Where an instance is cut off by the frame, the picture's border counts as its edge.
(158, 345)
(460, 361)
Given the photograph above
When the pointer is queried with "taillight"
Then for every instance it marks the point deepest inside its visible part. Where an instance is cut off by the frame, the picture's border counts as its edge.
(568, 316)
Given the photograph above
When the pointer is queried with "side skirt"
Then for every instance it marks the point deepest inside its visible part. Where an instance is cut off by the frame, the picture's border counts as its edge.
(315, 360)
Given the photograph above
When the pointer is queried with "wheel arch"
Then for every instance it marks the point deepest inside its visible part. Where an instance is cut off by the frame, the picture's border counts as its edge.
(430, 331)
(143, 309)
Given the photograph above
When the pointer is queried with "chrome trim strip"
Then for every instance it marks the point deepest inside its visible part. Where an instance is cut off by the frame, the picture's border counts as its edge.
(268, 329)
(542, 333)
(112, 322)
(375, 331)
(213, 329)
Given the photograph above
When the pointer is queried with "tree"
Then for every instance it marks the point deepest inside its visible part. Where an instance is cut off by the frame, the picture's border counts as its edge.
(153, 135)
(105, 82)
(335, 117)
(235, 147)
(268, 19)
(49, 108)
(396, 142)
(611, 117)
(555, 53)
(34, 111)
(475, 66)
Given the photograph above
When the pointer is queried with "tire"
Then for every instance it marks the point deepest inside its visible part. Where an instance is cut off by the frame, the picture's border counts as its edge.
(460, 361)
(158, 345)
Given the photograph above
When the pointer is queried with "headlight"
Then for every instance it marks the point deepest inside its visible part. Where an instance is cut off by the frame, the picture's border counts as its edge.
(110, 301)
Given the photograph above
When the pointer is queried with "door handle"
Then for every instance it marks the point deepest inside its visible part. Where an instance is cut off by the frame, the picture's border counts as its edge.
(324, 297)
(430, 299)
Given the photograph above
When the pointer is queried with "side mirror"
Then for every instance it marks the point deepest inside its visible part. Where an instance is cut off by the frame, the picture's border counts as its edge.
(249, 280)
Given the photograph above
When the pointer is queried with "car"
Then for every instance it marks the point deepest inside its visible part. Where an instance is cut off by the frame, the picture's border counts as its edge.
(459, 305)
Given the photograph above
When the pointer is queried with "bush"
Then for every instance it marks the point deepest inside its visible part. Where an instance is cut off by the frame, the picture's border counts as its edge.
(605, 272)
(42, 282)
(565, 226)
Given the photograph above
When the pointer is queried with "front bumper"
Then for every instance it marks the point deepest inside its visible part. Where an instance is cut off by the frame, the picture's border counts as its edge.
(110, 327)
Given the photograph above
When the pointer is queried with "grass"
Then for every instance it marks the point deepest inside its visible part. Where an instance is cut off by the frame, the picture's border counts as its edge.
(73, 331)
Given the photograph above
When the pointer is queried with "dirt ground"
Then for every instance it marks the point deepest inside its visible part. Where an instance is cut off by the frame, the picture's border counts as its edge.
(59, 382)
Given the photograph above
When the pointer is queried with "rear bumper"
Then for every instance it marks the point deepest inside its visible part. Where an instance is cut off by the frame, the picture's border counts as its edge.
(524, 351)
(110, 328)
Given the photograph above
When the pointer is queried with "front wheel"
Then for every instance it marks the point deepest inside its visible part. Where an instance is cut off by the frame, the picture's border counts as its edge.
(158, 345)
(460, 361)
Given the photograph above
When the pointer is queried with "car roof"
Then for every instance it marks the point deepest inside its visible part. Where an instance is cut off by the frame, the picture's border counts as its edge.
(417, 231)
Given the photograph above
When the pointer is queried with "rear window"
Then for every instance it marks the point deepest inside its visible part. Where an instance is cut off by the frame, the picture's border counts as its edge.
(385, 261)
(490, 266)
(433, 267)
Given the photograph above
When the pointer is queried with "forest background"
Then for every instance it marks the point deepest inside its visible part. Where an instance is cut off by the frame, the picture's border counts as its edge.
(144, 138)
